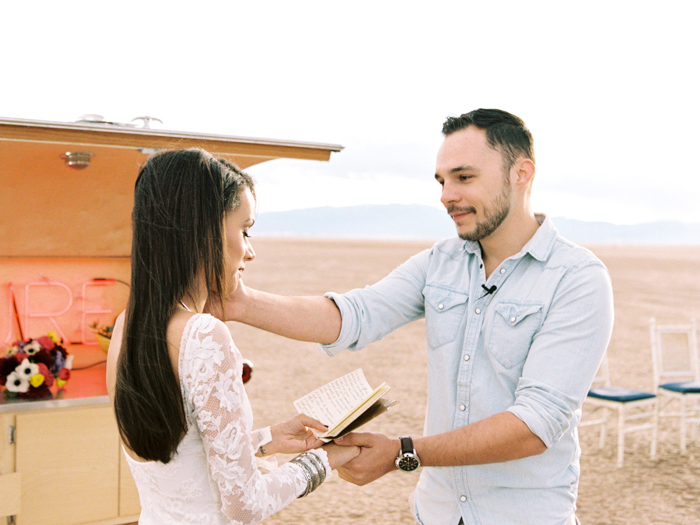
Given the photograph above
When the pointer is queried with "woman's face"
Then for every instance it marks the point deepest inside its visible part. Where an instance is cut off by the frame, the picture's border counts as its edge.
(238, 248)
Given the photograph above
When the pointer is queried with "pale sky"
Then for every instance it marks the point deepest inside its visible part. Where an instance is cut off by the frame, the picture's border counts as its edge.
(610, 89)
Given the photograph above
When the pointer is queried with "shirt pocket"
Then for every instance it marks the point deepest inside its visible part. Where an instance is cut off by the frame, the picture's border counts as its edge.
(514, 326)
(445, 310)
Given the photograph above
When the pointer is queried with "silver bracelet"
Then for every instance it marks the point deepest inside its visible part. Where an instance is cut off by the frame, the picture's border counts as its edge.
(319, 465)
(313, 470)
(307, 477)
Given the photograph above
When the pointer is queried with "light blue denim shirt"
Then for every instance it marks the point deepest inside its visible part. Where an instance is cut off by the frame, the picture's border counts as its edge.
(532, 348)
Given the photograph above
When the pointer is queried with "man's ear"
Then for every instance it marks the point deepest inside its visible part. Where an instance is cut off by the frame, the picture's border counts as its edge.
(523, 171)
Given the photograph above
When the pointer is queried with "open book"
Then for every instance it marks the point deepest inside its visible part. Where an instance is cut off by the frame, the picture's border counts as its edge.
(344, 404)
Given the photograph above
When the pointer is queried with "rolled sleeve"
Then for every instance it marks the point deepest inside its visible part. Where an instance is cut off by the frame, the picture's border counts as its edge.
(547, 412)
(349, 328)
(369, 314)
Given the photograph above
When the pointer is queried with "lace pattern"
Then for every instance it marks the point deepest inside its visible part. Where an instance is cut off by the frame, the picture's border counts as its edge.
(213, 478)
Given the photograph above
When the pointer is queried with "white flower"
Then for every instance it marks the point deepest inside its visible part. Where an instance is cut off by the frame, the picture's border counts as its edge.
(26, 369)
(12, 350)
(17, 383)
(32, 348)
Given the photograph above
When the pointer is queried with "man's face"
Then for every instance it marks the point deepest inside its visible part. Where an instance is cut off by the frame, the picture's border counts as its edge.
(475, 187)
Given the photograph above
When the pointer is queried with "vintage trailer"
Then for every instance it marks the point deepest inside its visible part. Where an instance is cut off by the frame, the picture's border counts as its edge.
(65, 231)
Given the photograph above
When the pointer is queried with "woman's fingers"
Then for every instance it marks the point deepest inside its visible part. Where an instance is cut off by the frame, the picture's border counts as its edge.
(311, 422)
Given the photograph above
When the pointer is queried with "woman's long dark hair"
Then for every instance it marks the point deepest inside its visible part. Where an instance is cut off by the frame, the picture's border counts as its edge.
(180, 201)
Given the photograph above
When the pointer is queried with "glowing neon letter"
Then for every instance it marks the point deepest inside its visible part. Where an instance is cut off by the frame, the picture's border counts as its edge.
(28, 314)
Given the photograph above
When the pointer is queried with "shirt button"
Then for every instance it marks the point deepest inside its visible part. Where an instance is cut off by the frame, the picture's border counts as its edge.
(503, 270)
(462, 498)
(462, 408)
(441, 306)
(466, 357)
(478, 310)
(512, 319)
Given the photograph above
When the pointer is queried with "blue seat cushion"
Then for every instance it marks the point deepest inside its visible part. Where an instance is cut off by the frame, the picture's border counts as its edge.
(621, 395)
(684, 387)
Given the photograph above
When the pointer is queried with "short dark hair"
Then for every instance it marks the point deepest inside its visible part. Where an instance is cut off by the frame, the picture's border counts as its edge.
(504, 132)
(181, 198)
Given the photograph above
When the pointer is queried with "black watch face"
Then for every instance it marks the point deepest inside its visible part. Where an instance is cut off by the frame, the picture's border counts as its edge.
(408, 463)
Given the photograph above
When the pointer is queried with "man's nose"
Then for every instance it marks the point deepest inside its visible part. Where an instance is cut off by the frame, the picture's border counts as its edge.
(449, 194)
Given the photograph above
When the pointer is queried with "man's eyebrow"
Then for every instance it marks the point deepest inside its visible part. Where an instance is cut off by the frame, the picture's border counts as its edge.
(463, 168)
(460, 169)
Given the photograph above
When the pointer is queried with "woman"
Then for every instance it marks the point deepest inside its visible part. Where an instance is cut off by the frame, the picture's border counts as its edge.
(173, 372)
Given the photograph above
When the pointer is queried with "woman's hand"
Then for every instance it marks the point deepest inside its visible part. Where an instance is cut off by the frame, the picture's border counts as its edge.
(294, 436)
(339, 456)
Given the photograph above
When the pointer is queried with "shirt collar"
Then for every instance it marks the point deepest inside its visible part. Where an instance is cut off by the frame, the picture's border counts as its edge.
(539, 246)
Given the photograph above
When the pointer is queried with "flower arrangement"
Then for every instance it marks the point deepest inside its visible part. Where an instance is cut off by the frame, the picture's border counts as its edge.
(31, 367)
(104, 331)
(103, 334)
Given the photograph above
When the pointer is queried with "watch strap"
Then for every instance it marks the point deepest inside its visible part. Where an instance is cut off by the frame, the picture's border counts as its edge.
(406, 445)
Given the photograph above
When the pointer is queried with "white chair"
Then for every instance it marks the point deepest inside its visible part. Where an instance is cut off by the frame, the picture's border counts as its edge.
(631, 406)
(677, 373)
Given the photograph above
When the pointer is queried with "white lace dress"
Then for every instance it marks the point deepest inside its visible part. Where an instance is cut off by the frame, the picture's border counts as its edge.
(213, 478)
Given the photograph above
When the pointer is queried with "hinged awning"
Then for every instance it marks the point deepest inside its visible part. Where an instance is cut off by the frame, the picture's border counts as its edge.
(49, 209)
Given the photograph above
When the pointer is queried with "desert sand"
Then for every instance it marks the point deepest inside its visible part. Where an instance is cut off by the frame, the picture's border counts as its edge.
(648, 282)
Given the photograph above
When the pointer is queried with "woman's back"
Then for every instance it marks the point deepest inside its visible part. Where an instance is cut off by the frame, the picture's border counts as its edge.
(213, 477)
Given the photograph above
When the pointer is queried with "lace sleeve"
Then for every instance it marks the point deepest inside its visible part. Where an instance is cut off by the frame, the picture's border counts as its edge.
(210, 366)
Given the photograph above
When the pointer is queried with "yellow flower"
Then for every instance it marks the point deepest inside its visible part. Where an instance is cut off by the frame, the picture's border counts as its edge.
(60, 383)
(37, 380)
(54, 337)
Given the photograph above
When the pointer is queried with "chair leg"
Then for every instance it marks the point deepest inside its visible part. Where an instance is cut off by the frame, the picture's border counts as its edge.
(620, 436)
(655, 429)
(683, 423)
(603, 429)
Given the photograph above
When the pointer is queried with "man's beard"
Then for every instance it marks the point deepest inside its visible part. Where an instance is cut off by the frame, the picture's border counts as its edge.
(493, 216)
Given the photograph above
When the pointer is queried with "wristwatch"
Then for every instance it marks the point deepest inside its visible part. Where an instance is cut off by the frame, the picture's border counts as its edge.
(407, 459)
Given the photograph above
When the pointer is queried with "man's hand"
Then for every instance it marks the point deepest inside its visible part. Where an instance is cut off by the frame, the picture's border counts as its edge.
(377, 455)
(233, 304)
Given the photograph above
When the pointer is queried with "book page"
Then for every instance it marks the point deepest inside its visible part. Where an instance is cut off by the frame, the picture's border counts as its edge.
(336, 429)
(334, 401)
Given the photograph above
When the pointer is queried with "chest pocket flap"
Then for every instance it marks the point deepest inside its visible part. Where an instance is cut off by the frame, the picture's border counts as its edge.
(442, 299)
(513, 313)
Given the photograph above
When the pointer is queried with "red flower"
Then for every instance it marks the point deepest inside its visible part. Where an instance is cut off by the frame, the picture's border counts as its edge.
(44, 371)
(64, 374)
(46, 342)
(42, 356)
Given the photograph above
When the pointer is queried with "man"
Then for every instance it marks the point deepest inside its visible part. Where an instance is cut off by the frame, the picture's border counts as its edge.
(517, 322)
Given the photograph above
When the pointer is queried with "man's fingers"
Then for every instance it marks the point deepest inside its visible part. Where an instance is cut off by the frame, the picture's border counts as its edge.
(356, 439)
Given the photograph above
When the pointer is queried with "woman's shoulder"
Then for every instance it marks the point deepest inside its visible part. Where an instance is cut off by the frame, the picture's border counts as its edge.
(207, 348)
(204, 332)
(113, 353)
(205, 324)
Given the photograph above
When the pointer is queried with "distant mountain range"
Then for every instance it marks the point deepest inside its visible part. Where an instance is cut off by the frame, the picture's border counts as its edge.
(416, 222)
